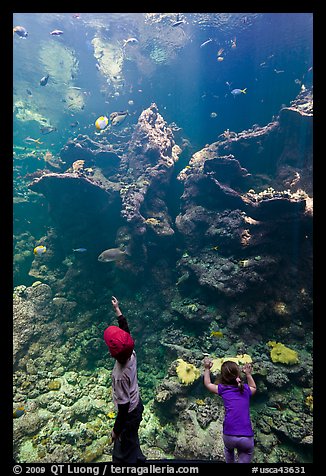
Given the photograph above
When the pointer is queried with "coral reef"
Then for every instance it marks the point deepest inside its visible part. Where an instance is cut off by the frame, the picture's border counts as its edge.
(222, 274)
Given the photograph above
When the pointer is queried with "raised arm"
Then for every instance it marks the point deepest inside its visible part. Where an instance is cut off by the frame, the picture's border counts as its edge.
(207, 376)
(122, 321)
(247, 369)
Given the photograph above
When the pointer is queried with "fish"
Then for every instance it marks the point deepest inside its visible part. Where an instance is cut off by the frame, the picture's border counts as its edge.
(220, 58)
(29, 92)
(113, 254)
(206, 42)
(217, 334)
(18, 412)
(44, 80)
(75, 87)
(177, 23)
(220, 51)
(47, 130)
(56, 32)
(213, 114)
(79, 250)
(30, 139)
(234, 43)
(39, 250)
(236, 92)
(118, 117)
(101, 122)
(20, 31)
(130, 41)
(74, 124)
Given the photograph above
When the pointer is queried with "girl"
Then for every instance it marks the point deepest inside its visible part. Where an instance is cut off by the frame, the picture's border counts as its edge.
(237, 429)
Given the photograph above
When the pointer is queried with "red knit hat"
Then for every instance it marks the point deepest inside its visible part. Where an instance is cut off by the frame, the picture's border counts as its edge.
(119, 342)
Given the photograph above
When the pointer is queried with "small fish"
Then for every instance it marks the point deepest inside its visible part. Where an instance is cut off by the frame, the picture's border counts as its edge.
(244, 263)
(220, 51)
(47, 130)
(217, 334)
(20, 31)
(29, 92)
(39, 250)
(44, 80)
(236, 92)
(234, 43)
(79, 250)
(56, 32)
(215, 248)
(101, 122)
(130, 41)
(76, 15)
(206, 42)
(118, 117)
(20, 411)
(213, 114)
(74, 124)
(113, 254)
(278, 71)
(111, 415)
(30, 140)
(177, 23)
(74, 87)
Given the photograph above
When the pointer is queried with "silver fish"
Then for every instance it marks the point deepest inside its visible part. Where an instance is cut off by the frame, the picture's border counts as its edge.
(56, 32)
(117, 117)
(113, 254)
(206, 42)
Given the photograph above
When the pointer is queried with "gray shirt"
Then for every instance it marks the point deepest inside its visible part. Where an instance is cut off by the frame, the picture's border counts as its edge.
(125, 383)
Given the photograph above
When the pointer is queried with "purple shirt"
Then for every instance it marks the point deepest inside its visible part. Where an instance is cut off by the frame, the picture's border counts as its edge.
(237, 410)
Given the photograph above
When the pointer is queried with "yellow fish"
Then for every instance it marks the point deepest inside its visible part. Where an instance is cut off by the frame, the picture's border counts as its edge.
(39, 250)
(111, 415)
(217, 334)
(244, 263)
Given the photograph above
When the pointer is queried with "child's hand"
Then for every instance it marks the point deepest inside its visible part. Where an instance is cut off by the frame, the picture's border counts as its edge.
(247, 368)
(208, 363)
(115, 302)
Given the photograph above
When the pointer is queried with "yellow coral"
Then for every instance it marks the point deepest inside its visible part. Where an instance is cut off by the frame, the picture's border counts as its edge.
(282, 354)
(281, 308)
(239, 359)
(187, 373)
(309, 401)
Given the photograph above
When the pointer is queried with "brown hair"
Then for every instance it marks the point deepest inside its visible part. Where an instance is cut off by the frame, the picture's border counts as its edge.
(230, 374)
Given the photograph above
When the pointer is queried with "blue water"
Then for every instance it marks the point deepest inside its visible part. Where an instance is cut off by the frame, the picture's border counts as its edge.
(271, 59)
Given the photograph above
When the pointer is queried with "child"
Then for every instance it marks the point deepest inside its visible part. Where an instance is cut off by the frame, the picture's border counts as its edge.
(125, 391)
(237, 429)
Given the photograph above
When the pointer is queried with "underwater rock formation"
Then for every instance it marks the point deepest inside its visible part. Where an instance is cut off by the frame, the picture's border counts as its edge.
(231, 273)
(78, 202)
(228, 227)
(132, 183)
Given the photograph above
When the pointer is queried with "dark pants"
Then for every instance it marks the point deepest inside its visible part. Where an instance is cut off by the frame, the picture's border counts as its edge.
(244, 446)
(126, 448)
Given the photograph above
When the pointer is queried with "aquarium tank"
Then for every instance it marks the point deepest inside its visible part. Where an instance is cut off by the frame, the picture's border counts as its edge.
(180, 145)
